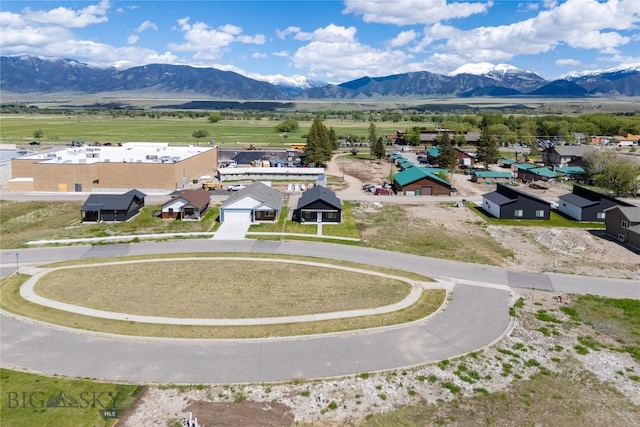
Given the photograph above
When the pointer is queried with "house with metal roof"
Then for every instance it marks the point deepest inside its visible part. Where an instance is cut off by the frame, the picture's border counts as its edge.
(509, 203)
(567, 155)
(583, 204)
(418, 181)
(623, 224)
(318, 204)
(491, 177)
(112, 207)
(571, 172)
(528, 172)
(255, 203)
(187, 205)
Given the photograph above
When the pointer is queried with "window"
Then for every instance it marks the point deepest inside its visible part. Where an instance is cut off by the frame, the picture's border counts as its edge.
(600, 215)
(539, 213)
(518, 213)
(331, 215)
(621, 237)
(625, 223)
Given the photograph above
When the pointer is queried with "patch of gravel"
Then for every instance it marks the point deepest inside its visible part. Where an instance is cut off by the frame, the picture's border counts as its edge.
(524, 352)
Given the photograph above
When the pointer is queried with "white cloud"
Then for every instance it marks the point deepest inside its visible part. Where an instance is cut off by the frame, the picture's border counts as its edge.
(567, 62)
(404, 38)
(209, 43)
(146, 25)
(258, 55)
(282, 34)
(408, 12)
(282, 53)
(69, 18)
(133, 39)
(334, 53)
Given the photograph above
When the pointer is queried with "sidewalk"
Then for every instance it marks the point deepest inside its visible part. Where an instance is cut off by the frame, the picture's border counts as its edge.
(28, 293)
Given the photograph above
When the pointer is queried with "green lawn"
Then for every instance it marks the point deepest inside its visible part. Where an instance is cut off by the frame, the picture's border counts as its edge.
(556, 220)
(33, 400)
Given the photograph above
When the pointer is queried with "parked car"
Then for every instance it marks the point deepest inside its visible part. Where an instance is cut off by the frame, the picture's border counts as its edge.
(236, 187)
(34, 143)
(368, 187)
(383, 191)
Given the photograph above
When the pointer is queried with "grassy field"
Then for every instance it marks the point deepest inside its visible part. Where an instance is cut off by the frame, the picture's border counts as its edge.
(210, 289)
(22, 222)
(10, 300)
(60, 130)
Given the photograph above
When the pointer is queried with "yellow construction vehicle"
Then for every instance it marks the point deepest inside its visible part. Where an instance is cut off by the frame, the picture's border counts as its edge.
(250, 147)
(212, 185)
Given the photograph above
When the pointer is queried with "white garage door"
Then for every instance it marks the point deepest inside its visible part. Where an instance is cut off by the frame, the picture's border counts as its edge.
(237, 216)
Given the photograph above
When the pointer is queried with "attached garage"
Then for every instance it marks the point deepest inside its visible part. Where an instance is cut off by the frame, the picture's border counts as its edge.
(236, 215)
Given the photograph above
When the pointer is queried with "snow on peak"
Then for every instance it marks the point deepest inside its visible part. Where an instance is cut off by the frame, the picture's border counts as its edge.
(482, 68)
(585, 73)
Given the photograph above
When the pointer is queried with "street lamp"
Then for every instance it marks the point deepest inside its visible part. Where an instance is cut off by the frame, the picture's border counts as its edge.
(17, 263)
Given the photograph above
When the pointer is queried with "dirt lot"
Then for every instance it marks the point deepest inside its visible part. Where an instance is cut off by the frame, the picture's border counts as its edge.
(535, 249)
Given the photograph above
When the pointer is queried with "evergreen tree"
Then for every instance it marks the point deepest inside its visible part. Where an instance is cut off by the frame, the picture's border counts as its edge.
(319, 144)
(487, 151)
(333, 137)
(447, 157)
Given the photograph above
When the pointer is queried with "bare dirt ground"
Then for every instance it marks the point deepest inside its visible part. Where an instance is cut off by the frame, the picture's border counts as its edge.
(340, 401)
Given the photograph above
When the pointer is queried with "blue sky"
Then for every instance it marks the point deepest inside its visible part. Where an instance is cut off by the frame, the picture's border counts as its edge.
(331, 41)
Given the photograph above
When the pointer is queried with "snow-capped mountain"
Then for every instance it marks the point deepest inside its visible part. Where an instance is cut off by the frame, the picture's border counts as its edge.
(30, 74)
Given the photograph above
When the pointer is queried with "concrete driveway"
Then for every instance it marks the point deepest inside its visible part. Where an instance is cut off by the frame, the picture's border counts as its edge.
(232, 230)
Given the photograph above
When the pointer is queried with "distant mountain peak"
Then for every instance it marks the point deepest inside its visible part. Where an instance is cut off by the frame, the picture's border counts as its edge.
(484, 68)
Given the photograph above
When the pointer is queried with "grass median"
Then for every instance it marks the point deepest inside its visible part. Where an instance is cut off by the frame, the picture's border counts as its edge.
(429, 302)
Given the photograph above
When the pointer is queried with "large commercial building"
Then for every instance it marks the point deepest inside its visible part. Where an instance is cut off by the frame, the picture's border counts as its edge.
(144, 166)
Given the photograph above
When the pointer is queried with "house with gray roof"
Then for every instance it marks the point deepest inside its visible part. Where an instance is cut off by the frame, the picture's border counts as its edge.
(623, 224)
(318, 204)
(567, 155)
(508, 203)
(583, 204)
(257, 202)
(112, 207)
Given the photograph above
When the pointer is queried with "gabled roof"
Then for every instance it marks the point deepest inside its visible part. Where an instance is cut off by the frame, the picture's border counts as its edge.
(198, 198)
(526, 166)
(510, 194)
(573, 150)
(632, 213)
(545, 172)
(116, 202)
(259, 191)
(318, 192)
(583, 197)
(571, 170)
(493, 174)
(410, 175)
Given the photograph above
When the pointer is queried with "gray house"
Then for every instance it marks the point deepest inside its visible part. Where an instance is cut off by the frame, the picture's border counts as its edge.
(623, 224)
(509, 203)
(583, 204)
(567, 155)
(112, 207)
(318, 204)
(255, 203)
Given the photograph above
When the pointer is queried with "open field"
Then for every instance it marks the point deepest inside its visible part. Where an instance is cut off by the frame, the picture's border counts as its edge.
(61, 130)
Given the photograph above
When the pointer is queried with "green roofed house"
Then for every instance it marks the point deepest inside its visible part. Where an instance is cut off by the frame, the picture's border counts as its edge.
(491, 176)
(421, 182)
(572, 172)
(536, 174)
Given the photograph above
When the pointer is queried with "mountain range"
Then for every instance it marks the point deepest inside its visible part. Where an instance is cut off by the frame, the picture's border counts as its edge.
(39, 75)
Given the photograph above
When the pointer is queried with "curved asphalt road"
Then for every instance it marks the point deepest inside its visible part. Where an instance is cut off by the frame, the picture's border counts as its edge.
(476, 316)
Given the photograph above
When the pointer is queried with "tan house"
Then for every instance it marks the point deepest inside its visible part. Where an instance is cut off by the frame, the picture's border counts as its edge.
(188, 205)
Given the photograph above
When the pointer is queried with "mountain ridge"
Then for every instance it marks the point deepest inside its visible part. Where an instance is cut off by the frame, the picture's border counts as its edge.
(31, 74)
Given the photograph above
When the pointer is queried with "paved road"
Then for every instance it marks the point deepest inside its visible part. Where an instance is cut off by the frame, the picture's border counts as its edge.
(476, 316)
